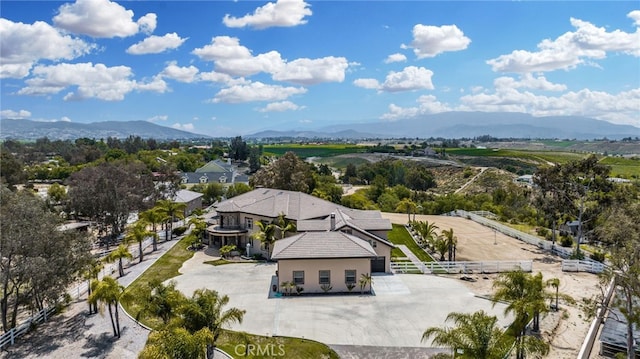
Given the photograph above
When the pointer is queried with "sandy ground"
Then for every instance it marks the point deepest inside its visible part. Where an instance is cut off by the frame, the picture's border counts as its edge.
(565, 329)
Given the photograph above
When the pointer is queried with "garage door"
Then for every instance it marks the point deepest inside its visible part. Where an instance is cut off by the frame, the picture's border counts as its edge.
(378, 265)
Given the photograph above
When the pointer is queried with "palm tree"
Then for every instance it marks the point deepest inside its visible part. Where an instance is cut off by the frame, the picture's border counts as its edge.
(177, 342)
(365, 280)
(162, 301)
(428, 231)
(451, 241)
(474, 336)
(441, 246)
(138, 233)
(199, 226)
(154, 217)
(205, 309)
(526, 297)
(284, 225)
(108, 291)
(118, 255)
(406, 205)
(171, 210)
(266, 234)
(91, 274)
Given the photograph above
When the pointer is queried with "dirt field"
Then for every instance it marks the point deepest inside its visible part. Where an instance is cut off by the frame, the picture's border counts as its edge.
(565, 329)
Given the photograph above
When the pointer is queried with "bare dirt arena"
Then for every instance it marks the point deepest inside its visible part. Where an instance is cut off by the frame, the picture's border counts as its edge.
(565, 329)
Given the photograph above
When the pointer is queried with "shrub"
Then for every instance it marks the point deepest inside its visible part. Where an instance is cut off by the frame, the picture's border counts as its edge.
(566, 241)
(225, 250)
(598, 256)
(178, 231)
(543, 232)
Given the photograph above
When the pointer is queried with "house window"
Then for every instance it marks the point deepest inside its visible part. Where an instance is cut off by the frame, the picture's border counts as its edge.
(373, 243)
(248, 223)
(350, 276)
(325, 277)
(298, 277)
(204, 179)
(185, 179)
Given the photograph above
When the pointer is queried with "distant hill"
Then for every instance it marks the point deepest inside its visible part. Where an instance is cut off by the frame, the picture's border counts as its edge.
(470, 124)
(31, 130)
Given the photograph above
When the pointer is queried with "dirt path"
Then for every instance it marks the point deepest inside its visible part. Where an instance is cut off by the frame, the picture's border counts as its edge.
(565, 329)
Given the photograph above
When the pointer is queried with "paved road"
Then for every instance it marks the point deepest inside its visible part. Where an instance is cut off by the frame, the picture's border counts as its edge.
(76, 334)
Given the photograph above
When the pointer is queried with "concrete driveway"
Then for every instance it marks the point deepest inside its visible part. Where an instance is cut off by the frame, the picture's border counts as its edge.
(401, 308)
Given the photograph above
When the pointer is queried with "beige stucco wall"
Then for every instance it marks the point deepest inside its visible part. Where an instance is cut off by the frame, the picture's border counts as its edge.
(382, 250)
(311, 268)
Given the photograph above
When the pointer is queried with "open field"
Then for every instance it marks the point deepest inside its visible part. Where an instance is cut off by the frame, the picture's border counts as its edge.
(566, 329)
(313, 150)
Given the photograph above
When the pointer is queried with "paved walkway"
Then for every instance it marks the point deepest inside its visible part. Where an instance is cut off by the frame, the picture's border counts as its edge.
(372, 352)
(76, 334)
(412, 257)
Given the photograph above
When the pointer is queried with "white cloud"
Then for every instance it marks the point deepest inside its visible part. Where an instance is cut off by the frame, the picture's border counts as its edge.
(158, 118)
(183, 126)
(256, 91)
(156, 44)
(182, 74)
(148, 23)
(410, 78)
(371, 84)
(635, 16)
(528, 81)
(430, 41)
(89, 80)
(15, 115)
(397, 57)
(571, 49)
(622, 108)
(157, 84)
(427, 104)
(101, 18)
(65, 119)
(22, 45)
(281, 107)
(283, 13)
(313, 71)
(233, 59)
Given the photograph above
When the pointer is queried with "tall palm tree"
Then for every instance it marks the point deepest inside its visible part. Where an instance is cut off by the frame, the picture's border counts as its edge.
(473, 336)
(266, 234)
(177, 342)
(526, 297)
(205, 309)
(428, 231)
(90, 274)
(451, 241)
(154, 217)
(108, 291)
(171, 210)
(119, 254)
(138, 233)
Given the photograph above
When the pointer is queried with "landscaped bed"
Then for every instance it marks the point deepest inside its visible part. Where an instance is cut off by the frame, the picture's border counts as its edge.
(400, 235)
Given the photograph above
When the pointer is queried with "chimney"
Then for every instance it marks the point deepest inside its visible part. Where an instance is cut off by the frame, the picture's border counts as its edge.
(333, 222)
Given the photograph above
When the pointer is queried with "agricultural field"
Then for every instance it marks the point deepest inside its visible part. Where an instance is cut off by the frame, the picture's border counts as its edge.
(313, 150)
(623, 167)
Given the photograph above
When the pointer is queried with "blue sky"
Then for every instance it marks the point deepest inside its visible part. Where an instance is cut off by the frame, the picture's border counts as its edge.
(226, 68)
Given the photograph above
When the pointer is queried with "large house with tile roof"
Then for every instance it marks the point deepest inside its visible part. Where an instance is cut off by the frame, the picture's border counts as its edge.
(328, 235)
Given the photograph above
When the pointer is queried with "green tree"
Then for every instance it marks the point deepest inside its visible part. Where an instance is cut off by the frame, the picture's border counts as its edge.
(428, 231)
(238, 149)
(284, 225)
(451, 242)
(408, 206)
(153, 216)
(206, 309)
(162, 300)
(118, 254)
(621, 230)
(138, 233)
(57, 193)
(39, 260)
(527, 299)
(177, 342)
(108, 292)
(237, 189)
(90, 274)
(171, 210)
(266, 234)
(288, 173)
(473, 336)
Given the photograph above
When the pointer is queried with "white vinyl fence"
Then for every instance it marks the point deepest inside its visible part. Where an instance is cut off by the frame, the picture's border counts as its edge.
(461, 267)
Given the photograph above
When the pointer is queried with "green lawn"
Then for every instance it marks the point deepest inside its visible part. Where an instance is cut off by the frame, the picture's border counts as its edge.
(399, 235)
(166, 267)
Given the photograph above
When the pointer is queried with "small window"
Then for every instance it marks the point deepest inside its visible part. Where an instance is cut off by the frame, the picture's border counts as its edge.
(248, 223)
(325, 277)
(350, 276)
(298, 277)
(204, 179)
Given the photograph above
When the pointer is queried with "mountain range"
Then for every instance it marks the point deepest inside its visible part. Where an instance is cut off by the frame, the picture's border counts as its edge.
(444, 125)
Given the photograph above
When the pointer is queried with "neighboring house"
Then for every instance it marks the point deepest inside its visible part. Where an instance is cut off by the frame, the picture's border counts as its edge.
(524, 179)
(613, 337)
(193, 200)
(363, 234)
(214, 171)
